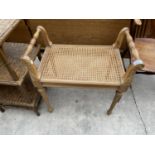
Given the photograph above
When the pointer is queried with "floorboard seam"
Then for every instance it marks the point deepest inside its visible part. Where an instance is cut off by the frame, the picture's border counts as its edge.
(138, 110)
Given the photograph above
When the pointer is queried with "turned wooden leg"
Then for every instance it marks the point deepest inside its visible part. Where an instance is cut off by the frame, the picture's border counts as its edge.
(45, 97)
(116, 99)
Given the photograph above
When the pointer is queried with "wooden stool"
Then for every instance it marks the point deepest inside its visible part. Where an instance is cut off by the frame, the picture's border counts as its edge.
(82, 65)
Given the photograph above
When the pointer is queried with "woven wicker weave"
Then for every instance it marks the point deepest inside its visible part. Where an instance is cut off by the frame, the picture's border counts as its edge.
(82, 64)
(14, 52)
(6, 27)
(24, 96)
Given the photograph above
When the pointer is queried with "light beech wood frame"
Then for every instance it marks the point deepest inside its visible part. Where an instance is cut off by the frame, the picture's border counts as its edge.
(124, 35)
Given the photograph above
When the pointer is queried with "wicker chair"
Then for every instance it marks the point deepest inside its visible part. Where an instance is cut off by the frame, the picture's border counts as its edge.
(21, 92)
(82, 65)
(14, 52)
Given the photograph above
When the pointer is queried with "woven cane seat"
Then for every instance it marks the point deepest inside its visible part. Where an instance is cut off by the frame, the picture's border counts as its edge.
(81, 64)
(14, 52)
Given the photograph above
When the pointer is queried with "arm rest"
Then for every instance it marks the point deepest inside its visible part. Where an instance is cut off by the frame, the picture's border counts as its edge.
(35, 75)
(138, 63)
(125, 35)
(43, 32)
(133, 51)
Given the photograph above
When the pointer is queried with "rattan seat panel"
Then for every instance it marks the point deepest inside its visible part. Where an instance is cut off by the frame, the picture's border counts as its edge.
(82, 64)
(14, 52)
(24, 96)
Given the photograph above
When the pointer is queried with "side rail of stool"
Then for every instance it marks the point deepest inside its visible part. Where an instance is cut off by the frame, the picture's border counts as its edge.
(138, 63)
(29, 62)
(34, 74)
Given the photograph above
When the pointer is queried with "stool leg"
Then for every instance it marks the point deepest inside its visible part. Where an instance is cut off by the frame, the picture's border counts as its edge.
(116, 99)
(45, 97)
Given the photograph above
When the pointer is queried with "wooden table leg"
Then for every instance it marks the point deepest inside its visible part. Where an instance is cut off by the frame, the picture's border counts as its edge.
(9, 67)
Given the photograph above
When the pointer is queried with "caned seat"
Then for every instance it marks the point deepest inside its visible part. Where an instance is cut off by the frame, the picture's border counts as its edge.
(81, 64)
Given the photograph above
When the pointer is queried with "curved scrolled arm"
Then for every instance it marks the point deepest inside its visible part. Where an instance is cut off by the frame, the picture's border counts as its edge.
(120, 38)
(124, 34)
(30, 64)
(40, 31)
(137, 63)
(44, 35)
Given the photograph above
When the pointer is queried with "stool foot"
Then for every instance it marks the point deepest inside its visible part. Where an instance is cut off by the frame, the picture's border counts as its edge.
(116, 99)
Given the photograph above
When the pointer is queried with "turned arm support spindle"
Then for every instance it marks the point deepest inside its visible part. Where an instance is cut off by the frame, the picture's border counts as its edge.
(30, 64)
(138, 63)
